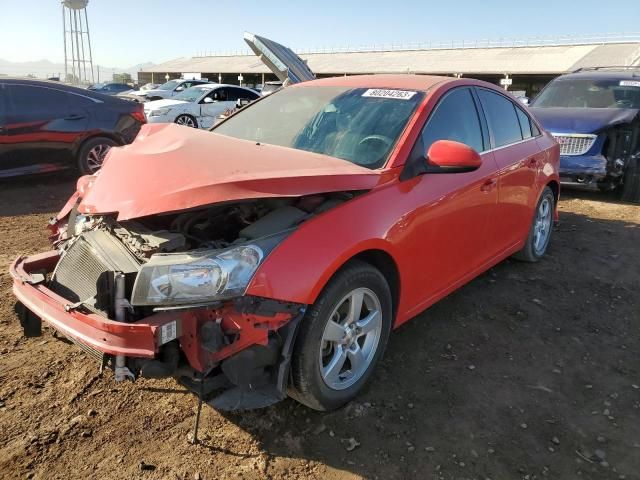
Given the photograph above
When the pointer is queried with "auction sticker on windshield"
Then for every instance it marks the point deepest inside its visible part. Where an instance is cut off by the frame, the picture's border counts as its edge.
(384, 93)
(629, 83)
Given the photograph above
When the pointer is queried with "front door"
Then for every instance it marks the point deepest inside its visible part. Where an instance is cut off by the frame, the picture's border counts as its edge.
(454, 230)
(219, 100)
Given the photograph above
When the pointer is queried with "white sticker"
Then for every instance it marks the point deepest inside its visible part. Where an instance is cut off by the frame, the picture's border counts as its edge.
(629, 83)
(168, 332)
(383, 93)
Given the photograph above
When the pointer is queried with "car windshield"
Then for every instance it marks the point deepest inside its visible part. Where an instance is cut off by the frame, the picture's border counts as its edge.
(170, 85)
(605, 93)
(192, 94)
(358, 125)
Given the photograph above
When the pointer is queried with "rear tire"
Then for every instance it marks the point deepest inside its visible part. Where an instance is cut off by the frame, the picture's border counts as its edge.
(339, 343)
(92, 154)
(541, 229)
(631, 185)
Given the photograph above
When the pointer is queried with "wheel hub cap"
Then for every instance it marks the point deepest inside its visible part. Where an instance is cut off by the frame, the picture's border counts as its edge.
(350, 339)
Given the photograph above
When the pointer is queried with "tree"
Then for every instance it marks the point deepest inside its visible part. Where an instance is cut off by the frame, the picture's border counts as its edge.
(122, 78)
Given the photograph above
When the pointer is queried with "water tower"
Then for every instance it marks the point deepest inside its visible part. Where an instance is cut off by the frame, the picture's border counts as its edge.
(78, 64)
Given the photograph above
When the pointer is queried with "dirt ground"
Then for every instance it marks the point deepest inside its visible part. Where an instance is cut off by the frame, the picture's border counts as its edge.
(528, 372)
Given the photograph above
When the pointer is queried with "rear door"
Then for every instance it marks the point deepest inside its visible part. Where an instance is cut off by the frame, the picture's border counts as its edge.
(41, 127)
(519, 159)
(453, 236)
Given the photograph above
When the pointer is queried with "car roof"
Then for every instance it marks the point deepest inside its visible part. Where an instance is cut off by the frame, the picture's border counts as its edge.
(610, 73)
(399, 81)
(63, 87)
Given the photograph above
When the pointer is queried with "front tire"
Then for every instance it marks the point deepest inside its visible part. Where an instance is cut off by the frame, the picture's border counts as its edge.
(187, 121)
(92, 154)
(342, 337)
(541, 229)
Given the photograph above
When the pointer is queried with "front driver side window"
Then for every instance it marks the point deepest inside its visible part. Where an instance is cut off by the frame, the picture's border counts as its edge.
(455, 118)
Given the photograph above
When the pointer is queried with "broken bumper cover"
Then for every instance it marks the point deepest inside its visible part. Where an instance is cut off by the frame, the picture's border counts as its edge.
(138, 339)
(582, 169)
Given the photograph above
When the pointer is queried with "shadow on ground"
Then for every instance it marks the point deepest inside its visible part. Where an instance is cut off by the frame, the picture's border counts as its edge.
(529, 371)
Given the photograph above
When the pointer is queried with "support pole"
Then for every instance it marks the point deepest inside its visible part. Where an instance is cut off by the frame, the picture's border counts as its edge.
(86, 21)
(84, 61)
(75, 22)
(64, 37)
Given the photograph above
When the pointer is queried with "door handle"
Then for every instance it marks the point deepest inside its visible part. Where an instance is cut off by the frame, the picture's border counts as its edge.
(489, 185)
(75, 117)
(532, 162)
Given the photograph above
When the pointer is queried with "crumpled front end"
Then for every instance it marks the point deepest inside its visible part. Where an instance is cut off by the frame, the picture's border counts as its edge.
(164, 295)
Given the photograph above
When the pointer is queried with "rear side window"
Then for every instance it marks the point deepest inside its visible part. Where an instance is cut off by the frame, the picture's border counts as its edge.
(502, 118)
(525, 124)
(455, 118)
(33, 102)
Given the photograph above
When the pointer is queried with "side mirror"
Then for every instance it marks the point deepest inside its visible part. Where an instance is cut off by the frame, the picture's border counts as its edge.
(179, 89)
(208, 100)
(448, 156)
(241, 102)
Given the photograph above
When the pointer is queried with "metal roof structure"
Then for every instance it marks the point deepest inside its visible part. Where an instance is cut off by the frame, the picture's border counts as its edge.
(512, 60)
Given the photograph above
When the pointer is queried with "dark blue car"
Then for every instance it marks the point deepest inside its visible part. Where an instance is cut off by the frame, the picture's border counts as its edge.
(594, 114)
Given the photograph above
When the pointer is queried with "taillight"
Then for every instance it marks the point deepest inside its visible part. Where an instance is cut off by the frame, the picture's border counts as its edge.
(139, 116)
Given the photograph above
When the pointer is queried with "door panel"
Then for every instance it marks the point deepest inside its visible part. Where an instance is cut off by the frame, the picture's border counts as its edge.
(518, 158)
(210, 111)
(453, 226)
(4, 147)
(517, 177)
(42, 126)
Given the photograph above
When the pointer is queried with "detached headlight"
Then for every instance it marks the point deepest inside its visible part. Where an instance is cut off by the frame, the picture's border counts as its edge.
(159, 112)
(175, 279)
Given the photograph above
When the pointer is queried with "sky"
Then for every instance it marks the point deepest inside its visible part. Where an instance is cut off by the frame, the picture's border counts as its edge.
(125, 33)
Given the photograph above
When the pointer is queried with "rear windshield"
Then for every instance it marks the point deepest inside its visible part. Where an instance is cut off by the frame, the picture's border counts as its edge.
(583, 93)
(359, 125)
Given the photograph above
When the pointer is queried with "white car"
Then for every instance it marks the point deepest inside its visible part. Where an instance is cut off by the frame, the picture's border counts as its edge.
(167, 90)
(198, 106)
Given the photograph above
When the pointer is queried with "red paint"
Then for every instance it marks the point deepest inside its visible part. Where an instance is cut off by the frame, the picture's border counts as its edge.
(440, 230)
(447, 154)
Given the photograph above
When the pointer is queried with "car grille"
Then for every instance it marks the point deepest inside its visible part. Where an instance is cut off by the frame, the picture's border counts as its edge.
(574, 144)
(85, 270)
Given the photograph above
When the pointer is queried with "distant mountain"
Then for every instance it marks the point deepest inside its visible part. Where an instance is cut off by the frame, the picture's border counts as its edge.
(45, 68)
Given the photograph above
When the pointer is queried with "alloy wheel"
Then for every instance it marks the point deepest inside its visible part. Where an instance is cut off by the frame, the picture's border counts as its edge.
(542, 226)
(186, 120)
(96, 156)
(350, 339)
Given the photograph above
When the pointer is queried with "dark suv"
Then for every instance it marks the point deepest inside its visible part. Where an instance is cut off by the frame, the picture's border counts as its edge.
(594, 114)
(47, 126)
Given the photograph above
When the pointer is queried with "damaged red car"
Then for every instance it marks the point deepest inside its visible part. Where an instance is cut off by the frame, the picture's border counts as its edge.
(273, 255)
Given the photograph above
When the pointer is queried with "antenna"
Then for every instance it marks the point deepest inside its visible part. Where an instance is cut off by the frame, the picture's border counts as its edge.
(77, 42)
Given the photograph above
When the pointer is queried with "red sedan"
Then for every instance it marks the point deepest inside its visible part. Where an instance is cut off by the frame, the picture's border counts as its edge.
(275, 254)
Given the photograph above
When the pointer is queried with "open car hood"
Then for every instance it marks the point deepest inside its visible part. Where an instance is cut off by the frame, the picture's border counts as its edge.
(582, 120)
(281, 60)
(170, 168)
